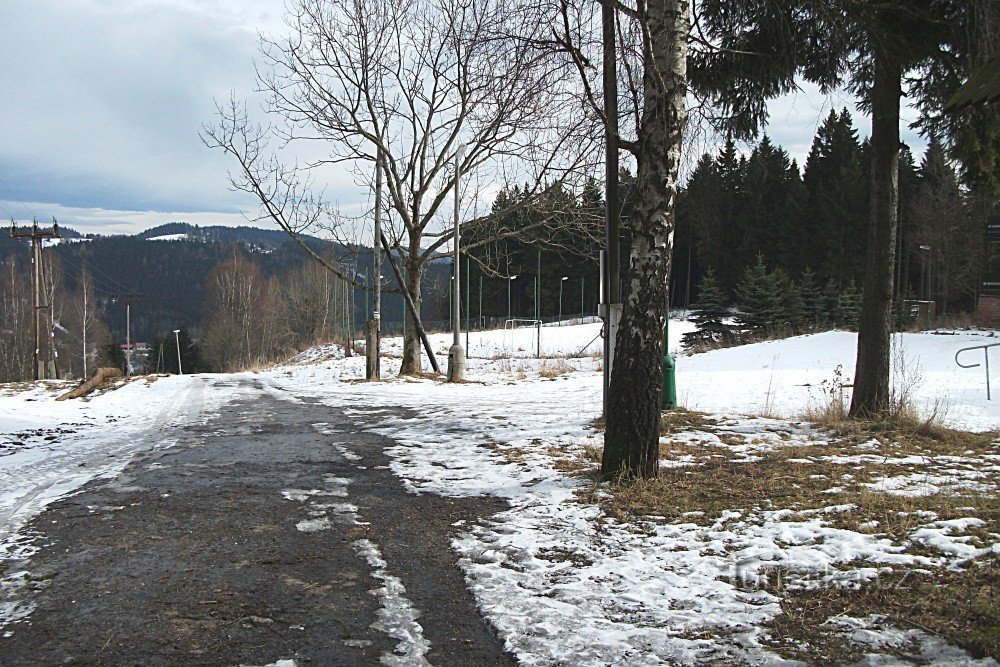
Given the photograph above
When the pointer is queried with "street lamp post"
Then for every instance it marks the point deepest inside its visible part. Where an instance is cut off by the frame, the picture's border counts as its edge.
(456, 355)
(561, 281)
(510, 279)
(538, 287)
(927, 249)
(177, 340)
(468, 309)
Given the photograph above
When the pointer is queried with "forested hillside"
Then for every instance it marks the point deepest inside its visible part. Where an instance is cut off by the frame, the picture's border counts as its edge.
(807, 222)
(177, 269)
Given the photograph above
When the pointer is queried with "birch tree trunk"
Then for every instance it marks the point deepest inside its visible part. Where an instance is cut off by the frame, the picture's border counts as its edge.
(871, 374)
(631, 440)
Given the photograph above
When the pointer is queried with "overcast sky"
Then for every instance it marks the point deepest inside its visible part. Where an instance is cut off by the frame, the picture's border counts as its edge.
(101, 103)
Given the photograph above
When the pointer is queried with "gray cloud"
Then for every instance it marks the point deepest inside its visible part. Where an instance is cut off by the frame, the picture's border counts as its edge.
(101, 103)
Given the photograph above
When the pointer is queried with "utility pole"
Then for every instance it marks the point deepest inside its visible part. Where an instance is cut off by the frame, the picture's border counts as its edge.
(538, 287)
(84, 280)
(348, 334)
(45, 362)
(561, 281)
(128, 300)
(468, 309)
(373, 341)
(177, 340)
(456, 355)
(509, 280)
(611, 280)
(376, 373)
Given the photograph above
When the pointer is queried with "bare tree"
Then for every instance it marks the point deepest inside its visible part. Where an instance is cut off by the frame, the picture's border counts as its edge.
(310, 297)
(81, 330)
(16, 337)
(240, 331)
(412, 80)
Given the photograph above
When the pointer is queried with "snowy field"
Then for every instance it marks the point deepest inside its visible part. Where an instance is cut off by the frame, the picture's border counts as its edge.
(783, 378)
(561, 579)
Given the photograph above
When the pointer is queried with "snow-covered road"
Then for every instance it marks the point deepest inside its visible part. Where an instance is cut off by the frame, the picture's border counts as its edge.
(49, 449)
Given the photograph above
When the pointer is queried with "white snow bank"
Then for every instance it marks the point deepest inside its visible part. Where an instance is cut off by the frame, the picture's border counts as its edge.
(785, 377)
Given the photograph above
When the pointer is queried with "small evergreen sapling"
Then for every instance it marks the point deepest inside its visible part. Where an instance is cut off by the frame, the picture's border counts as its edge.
(761, 300)
(849, 307)
(711, 313)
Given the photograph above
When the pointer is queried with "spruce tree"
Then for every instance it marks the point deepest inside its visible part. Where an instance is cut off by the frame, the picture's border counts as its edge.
(813, 301)
(831, 299)
(710, 315)
(760, 298)
(836, 192)
(792, 301)
(849, 307)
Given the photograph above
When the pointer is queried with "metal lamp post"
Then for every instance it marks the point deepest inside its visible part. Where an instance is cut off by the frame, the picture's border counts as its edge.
(927, 249)
(561, 281)
(510, 279)
(456, 355)
(177, 339)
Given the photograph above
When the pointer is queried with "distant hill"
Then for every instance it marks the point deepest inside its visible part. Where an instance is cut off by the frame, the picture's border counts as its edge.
(171, 273)
(263, 239)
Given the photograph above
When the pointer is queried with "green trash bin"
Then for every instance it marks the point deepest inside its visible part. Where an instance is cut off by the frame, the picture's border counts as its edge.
(668, 393)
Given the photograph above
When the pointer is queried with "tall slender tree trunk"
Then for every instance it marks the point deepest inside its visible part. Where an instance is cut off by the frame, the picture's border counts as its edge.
(871, 375)
(412, 364)
(632, 435)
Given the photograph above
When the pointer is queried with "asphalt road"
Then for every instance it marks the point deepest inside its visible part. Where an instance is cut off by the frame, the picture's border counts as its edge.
(274, 531)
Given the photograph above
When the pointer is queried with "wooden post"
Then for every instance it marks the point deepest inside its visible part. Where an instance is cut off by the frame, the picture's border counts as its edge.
(44, 364)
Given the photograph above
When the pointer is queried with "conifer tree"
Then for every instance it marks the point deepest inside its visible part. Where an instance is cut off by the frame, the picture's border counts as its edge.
(849, 307)
(710, 315)
(813, 302)
(792, 301)
(760, 298)
(831, 303)
(836, 187)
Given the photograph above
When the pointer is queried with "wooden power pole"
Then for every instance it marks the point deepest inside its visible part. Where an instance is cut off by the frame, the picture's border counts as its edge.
(128, 300)
(45, 347)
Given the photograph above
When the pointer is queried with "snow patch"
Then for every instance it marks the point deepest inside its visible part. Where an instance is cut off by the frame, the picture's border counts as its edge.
(397, 617)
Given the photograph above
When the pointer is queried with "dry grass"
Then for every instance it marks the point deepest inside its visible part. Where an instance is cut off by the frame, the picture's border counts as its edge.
(961, 606)
(954, 321)
(552, 370)
(682, 419)
(710, 478)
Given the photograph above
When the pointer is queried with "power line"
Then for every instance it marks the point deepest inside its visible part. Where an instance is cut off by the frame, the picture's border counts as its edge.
(105, 287)
(121, 286)
(46, 365)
